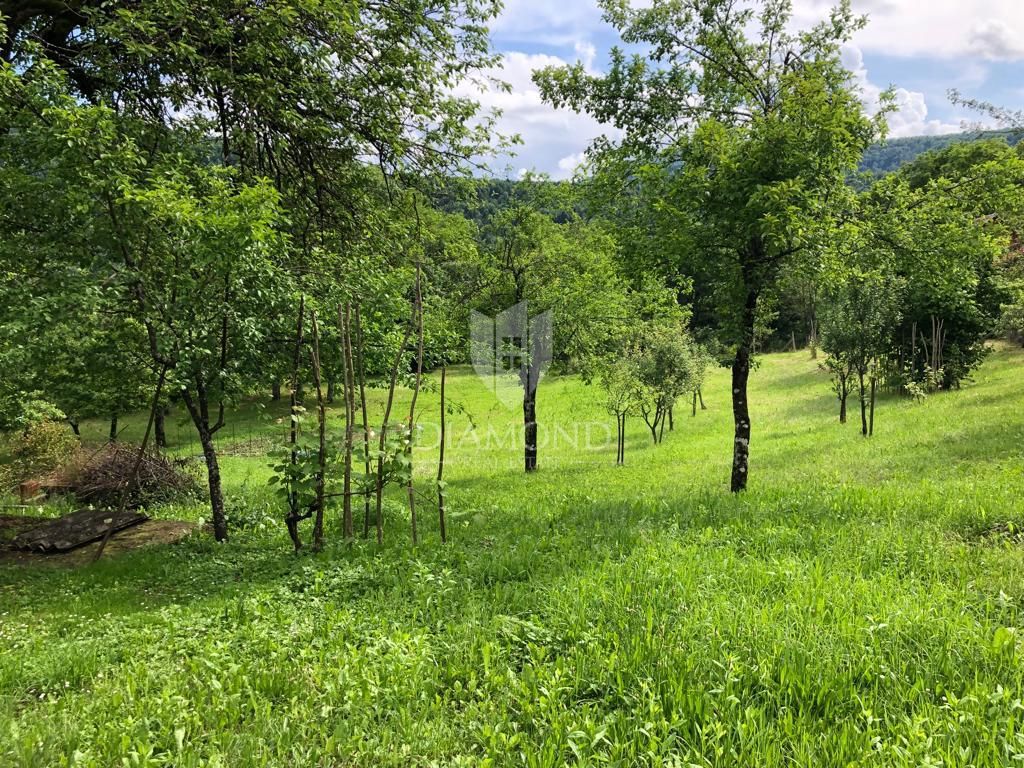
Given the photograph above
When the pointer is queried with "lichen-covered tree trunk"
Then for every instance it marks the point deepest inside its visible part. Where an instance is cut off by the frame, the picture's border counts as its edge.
(741, 419)
(220, 521)
(530, 425)
(740, 407)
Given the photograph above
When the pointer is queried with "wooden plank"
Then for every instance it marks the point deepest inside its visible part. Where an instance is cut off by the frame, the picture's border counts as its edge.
(74, 530)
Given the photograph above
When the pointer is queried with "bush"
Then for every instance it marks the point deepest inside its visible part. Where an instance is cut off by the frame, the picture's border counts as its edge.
(1012, 322)
(36, 452)
(99, 478)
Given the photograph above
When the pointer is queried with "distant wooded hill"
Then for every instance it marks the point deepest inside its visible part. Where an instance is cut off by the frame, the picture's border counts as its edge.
(888, 157)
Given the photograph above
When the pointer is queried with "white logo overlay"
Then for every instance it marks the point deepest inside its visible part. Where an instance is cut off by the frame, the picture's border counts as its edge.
(510, 351)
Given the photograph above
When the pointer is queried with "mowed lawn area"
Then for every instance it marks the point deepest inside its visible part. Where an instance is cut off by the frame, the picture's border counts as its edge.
(859, 605)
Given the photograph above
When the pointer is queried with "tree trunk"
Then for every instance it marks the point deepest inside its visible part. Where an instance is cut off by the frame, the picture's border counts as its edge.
(740, 408)
(410, 486)
(330, 390)
(671, 424)
(345, 324)
(530, 425)
(275, 390)
(379, 485)
(700, 396)
(220, 523)
(113, 428)
(694, 403)
(843, 392)
(294, 514)
(75, 428)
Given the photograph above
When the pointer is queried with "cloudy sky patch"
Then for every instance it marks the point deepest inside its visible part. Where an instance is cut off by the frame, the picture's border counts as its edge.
(922, 49)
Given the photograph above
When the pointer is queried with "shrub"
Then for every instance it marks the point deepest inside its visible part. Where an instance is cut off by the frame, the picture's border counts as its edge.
(37, 451)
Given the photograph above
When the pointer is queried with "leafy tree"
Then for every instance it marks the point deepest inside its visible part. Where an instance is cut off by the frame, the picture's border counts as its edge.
(566, 269)
(178, 247)
(619, 378)
(745, 130)
(860, 315)
(667, 367)
(941, 229)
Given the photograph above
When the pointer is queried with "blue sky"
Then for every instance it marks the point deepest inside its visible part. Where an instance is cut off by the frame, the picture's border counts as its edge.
(923, 47)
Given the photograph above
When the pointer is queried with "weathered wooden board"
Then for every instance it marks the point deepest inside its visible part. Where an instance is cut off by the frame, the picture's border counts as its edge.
(74, 530)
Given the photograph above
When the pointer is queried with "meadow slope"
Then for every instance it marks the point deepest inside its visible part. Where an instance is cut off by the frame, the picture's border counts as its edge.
(859, 605)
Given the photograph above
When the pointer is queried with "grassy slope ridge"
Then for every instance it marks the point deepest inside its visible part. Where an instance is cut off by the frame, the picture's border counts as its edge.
(850, 609)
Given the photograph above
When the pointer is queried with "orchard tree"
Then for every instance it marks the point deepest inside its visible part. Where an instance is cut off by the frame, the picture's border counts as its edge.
(179, 248)
(746, 131)
(667, 367)
(860, 315)
(941, 228)
(620, 381)
(532, 263)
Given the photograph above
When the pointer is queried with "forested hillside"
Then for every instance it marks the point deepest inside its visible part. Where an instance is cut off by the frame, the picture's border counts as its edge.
(886, 157)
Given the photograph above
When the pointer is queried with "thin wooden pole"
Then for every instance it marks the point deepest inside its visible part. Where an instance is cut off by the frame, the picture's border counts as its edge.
(441, 500)
(345, 324)
(318, 522)
(366, 423)
(410, 485)
(292, 521)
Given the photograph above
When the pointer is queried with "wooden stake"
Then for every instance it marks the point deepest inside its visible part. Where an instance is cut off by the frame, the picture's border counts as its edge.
(410, 487)
(318, 521)
(366, 423)
(349, 386)
(293, 518)
(440, 465)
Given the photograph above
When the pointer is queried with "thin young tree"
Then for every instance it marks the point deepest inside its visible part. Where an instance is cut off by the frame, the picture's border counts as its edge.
(294, 413)
(366, 422)
(321, 412)
(441, 496)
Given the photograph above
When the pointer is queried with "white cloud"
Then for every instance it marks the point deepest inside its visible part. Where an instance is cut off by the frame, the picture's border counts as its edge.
(551, 137)
(568, 164)
(994, 40)
(936, 28)
(941, 28)
(910, 117)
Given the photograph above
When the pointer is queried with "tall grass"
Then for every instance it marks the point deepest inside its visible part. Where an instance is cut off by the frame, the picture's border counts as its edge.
(860, 605)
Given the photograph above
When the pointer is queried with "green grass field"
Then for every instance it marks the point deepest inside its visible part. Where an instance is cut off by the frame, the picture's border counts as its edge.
(860, 605)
